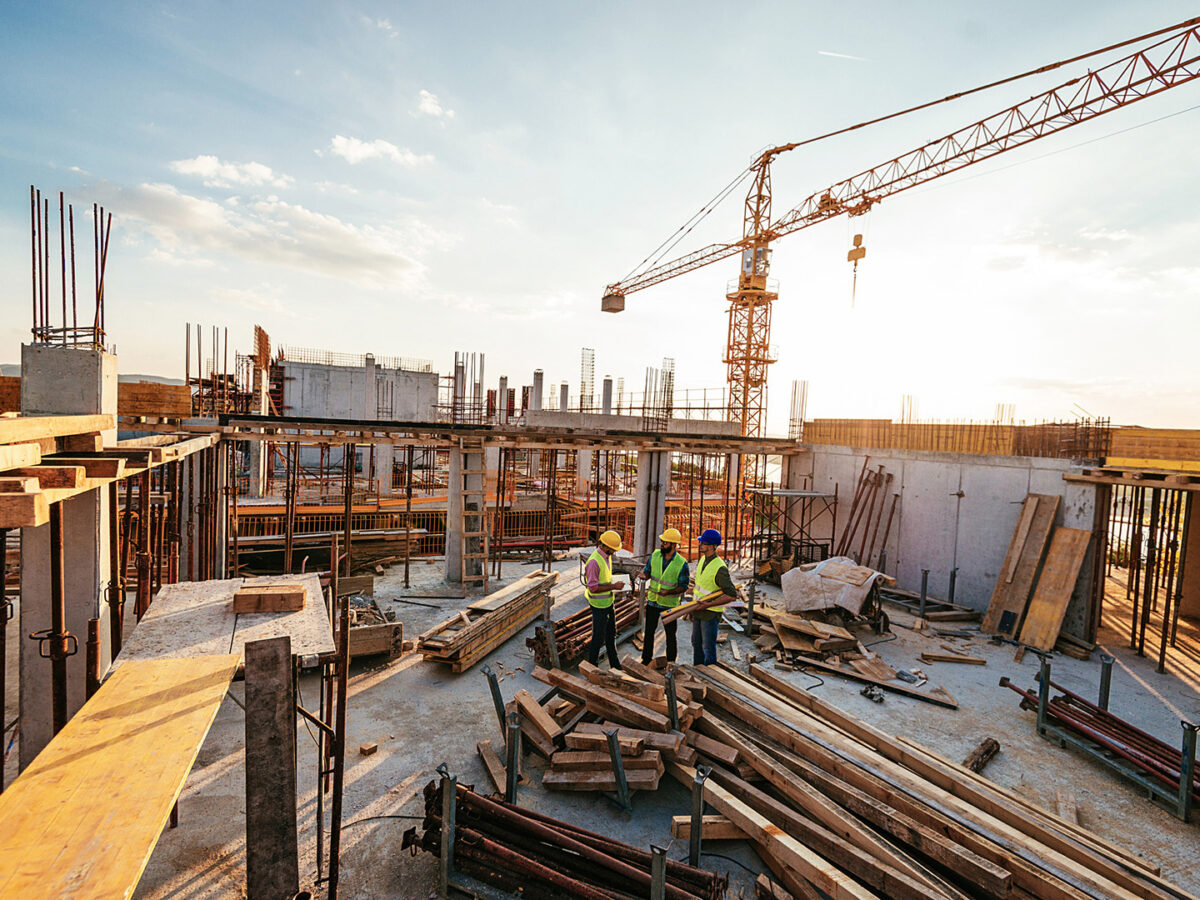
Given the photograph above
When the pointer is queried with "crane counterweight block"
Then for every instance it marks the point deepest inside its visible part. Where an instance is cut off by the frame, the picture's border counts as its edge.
(613, 300)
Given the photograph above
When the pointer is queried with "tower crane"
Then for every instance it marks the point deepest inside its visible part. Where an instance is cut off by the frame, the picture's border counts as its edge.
(1169, 62)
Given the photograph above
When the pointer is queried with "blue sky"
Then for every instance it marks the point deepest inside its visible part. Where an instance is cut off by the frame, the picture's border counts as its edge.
(414, 179)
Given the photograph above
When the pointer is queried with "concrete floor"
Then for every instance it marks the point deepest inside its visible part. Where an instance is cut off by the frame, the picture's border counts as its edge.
(422, 715)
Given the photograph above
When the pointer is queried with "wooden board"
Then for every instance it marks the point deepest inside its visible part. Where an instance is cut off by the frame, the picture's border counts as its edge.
(1014, 584)
(491, 762)
(1055, 585)
(258, 596)
(16, 455)
(855, 575)
(32, 428)
(598, 743)
(929, 657)
(532, 711)
(637, 780)
(596, 760)
(712, 828)
(117, 768)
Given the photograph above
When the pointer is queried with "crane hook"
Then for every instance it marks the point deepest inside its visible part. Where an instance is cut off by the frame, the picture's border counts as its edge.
(857, 252)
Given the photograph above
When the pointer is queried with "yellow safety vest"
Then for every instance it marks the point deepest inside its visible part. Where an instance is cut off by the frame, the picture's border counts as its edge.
(706, 579)
(664, 580)
(605, 600)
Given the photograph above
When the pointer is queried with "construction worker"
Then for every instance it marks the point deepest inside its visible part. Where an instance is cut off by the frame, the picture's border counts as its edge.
(667, 572)
(711, 575)
(598, 588)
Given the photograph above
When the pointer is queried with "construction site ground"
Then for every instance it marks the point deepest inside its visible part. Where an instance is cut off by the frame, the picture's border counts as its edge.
(421, 715)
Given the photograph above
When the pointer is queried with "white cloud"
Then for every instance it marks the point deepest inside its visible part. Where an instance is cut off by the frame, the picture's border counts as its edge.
(355, 151)
(429, 105)
(841, 55)
(215, 173)
(188, 229)
(264, 298)
(383, 25)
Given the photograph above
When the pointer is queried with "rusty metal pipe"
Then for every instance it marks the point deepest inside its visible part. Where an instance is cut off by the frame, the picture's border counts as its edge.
(484, 849)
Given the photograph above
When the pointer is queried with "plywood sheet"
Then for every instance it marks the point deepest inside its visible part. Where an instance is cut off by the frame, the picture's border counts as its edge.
(1055, 585)
(1014, 584)
(83, 818)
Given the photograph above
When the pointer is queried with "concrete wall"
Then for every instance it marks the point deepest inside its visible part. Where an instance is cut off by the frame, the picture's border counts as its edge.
(958, 510)
(352, 392)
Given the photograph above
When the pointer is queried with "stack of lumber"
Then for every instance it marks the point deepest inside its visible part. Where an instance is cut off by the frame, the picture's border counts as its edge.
(1038, 577)
(855, 813)
(527, 854)
(150, 398)
(469, 635)
(573, 633)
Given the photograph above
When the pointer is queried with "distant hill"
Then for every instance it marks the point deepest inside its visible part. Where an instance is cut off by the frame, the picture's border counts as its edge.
(13, 370)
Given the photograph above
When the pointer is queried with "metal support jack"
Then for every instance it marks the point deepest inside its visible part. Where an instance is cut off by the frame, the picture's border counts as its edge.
(614, 751)
(1106, 664)
(672, 700)
(446, 857)
(512, 745)
(702, 773)
(497, 697)
(658, 873)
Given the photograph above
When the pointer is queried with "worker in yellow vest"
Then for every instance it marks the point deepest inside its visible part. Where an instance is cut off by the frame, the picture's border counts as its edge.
(712, 574)
(667, 572)
(599, 588)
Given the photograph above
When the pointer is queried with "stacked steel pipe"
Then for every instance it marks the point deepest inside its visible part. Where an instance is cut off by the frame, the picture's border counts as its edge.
(573, 634)
(519, 850)
(1158, 760)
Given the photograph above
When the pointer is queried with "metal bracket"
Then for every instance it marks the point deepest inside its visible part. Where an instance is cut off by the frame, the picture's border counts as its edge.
(658, 873)
(702, 773)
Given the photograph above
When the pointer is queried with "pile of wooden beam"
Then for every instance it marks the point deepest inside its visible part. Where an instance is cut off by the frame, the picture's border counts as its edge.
(473, 633)
(528, 854)
(573, 633)
(846, 809)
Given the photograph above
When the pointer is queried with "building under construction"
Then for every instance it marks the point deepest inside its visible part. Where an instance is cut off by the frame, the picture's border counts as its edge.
(379, 562)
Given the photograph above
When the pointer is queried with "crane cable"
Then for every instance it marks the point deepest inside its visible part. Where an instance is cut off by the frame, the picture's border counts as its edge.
(686, 228)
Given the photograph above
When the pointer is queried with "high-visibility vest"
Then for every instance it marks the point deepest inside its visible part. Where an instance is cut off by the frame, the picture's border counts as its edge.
(706, 579)
(664, 580)
(605, 600)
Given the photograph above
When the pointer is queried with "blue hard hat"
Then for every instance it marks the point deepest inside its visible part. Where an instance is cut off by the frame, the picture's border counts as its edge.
(711, 536)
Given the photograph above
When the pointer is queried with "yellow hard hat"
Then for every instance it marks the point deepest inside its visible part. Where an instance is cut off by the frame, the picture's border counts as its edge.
(611, 540)
(672, 536)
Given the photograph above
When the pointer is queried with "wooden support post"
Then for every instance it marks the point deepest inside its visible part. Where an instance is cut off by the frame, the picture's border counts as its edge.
(272, 857)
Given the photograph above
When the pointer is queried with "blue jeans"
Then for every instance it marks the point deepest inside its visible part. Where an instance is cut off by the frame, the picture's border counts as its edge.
(704, 641)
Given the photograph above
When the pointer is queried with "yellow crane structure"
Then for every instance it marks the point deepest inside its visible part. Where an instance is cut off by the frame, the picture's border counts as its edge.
(1172, 59)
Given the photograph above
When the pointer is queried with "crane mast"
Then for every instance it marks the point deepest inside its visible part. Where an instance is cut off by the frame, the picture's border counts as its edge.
(1170, 62)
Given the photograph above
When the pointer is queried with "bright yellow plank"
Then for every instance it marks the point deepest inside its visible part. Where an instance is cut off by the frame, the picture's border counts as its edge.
(83, 818)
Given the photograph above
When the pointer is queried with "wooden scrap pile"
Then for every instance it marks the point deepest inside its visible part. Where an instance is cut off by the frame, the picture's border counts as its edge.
(1037, 580)
(841, 807)
(473, 633)
(573, 633)
(528, 854)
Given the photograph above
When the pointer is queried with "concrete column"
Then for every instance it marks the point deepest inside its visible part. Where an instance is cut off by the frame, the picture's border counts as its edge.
(535, 396)
(653, 476)
(64, 381)
(564, 396)
(1189, 603)
(502, 400)
(583, 472)
(606, 396)
(385, 455)
(224, 498)
(460, 461)
(370, 400)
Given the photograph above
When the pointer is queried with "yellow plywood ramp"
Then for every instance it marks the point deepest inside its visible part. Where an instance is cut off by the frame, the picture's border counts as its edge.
(82, 820)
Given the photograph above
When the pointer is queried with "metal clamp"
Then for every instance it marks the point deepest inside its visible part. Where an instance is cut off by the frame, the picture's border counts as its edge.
(702, 773)
(8, 610)
(62, 644)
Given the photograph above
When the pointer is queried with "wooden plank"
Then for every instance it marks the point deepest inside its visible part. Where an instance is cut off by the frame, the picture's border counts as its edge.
(24, 510)
(667, 742)
(623, 684)
(592, 760)
(272, 854)
(14, 456)
(604, 703)
(577, 740)
(1066, 806)
(712, 828)
(1015, 583)
(308, 627)
(719, 751)
(50, 477)
(532, 711)
(261, 597)
(637, 780)
(18, 485)
(1055, 585)
(495, 768)
(116, 768)
(789, 851)
(93, 466)
(31, 428)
